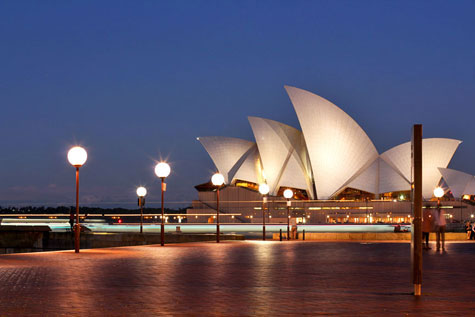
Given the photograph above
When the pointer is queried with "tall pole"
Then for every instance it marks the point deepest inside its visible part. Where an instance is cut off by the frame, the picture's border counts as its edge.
(162, 227)
(78, 227)
(217, 215)
(288, 219)
(141, 214)
(416, 232)
(263, 217)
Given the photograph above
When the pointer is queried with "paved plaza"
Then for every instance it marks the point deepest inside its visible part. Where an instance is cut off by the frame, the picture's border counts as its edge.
(238, 279)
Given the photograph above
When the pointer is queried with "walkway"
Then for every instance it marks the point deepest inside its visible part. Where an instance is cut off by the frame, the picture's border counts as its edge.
(238, 279)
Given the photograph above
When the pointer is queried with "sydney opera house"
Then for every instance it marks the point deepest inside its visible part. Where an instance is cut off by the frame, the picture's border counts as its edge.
(333, 168)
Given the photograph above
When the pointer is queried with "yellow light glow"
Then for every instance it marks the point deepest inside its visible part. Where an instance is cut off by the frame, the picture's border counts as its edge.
(77, 156)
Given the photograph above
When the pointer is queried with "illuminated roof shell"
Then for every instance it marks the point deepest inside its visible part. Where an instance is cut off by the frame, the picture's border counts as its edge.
(227, 153)
(436, 152)
(283, 155)
(337, 146)
(460, 183)
(330, 154)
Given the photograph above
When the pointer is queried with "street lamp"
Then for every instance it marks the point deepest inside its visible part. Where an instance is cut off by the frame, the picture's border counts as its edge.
(217, 180)
(288, 193)
(77, 156)
(264, 190)
(162, 170)
(141, 192)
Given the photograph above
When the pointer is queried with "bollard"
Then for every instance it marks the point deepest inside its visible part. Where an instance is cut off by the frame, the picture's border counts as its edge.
(303, 234)
(280, 234)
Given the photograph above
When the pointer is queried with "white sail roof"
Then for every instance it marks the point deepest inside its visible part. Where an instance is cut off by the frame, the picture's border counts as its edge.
(283, 155)
(379, 178)
(227, 153)
(436, 152)
(390, 180)
(337, 146)
(367, 180)
(460, 183)
(250, 169)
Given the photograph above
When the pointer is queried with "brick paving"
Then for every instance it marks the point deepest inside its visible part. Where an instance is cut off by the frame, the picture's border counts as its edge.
(238, 279)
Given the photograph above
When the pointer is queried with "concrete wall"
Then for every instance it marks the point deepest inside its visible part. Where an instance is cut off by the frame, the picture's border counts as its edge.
(29, 241)
(386, 236)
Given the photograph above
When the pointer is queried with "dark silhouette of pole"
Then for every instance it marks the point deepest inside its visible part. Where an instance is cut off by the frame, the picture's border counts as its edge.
(217, 215)
(78, 226)
(264, 217)
(416, 233)
(162, 226)
(288, 219)
(141, 213)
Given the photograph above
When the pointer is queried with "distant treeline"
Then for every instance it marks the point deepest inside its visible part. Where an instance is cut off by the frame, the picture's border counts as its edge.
(86, 210)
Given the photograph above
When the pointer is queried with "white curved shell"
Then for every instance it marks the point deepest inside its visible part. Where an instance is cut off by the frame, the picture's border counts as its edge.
(460, 183)
(337, 146)
(390, 180)
(367, 180)
(250, 169)
(379, 178)
(227, 153)
(436, 152)
(283, 155)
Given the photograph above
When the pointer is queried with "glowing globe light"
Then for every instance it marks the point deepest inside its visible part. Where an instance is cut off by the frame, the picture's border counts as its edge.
(288, 193)
(438, 192)
(217, 179)
(162, 169)
(77, 156)
(263, 189)
(141, 191)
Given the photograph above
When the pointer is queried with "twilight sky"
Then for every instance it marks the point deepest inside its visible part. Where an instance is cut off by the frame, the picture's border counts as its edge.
(136, 81)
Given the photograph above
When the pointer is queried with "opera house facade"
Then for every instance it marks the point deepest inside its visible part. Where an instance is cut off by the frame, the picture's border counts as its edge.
(333, 168)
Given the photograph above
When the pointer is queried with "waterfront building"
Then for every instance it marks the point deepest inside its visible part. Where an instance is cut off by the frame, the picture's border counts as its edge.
(331, 165)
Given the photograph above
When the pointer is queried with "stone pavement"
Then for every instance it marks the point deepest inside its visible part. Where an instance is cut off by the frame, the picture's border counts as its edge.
(247, 278)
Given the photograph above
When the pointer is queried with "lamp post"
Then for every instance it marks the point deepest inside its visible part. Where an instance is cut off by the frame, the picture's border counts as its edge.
(141, 192)
(264, 190)
(162, 170)
(288, 193)
(217, 180)
(77, 156)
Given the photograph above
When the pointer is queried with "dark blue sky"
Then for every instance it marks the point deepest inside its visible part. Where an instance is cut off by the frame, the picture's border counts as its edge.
(134, 81)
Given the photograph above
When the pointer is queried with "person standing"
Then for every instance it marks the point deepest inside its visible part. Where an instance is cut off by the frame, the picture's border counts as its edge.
(293, 230)
(468, 229)
(440, 224)
(427, 224)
